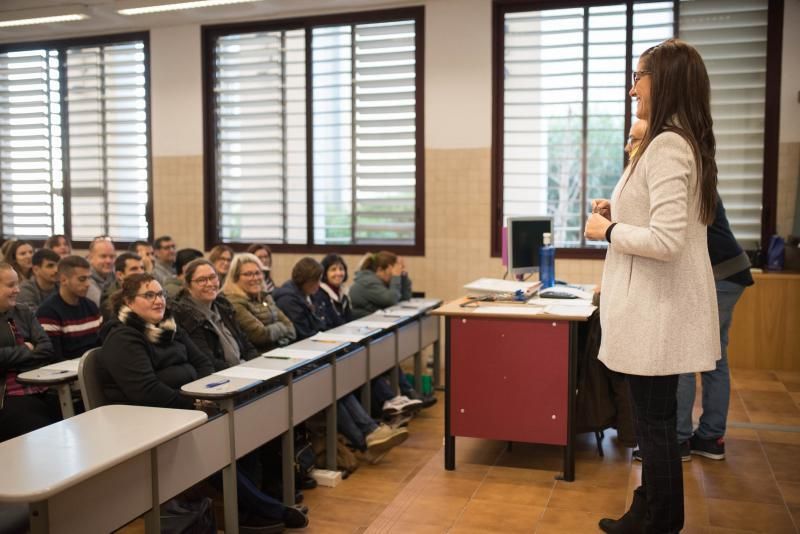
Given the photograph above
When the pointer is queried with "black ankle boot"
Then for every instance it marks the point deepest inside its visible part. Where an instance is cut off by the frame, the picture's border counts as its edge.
(631, 522)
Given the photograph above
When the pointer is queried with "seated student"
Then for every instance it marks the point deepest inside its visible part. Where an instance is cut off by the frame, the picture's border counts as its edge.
(363, 433)
(174, 284)
(146, 359)
(59, 244)
(208, 318)
(101, 258)
(380, 282)
(165, 251)
(23, 346)
(42, 283)
(20, 257)
(332, 301)
(221, 257)
(145, 251)
(125, 265)
(264, 324)
(264, 254)
(294, 298)
(70, 319)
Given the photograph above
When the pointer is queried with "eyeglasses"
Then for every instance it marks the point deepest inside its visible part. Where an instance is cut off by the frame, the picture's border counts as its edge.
(226, 259)
(252, 274)
(151, 296)
(203, 280)
(167, 247)
(637, 75)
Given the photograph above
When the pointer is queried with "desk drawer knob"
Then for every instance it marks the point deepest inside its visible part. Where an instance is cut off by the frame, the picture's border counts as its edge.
(553, 417)
(555, 324)
(462, 410)
(463, 321)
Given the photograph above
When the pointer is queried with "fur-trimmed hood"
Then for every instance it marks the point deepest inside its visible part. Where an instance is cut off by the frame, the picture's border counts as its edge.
(161, 334)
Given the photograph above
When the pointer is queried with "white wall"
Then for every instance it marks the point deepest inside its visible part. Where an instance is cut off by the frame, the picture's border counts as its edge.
(458, 74)
(176, 91)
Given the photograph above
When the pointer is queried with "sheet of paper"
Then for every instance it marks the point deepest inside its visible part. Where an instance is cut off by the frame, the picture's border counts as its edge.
(66, 365)
(400, 311)
(420, 303)
(295, 353)
(332, 336)
(253, 373)
(374, 324)
(508, 310)
(575, 303)
(570, 311)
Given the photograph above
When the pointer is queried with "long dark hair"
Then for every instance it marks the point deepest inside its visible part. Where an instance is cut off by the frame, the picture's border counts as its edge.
(680, 103)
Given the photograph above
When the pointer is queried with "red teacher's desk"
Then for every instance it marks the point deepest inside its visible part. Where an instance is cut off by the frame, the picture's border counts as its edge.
(510, 374)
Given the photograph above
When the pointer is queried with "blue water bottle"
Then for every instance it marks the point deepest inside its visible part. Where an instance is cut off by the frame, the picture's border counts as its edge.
(547, 262)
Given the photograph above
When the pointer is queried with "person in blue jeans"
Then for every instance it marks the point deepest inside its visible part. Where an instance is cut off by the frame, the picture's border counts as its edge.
(732, 275)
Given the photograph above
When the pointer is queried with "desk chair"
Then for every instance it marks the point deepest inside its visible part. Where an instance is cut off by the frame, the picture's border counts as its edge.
(91, 390)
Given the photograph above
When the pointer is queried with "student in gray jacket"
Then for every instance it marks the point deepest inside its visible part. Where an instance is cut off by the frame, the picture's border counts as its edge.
(42, 282)
(380, 282)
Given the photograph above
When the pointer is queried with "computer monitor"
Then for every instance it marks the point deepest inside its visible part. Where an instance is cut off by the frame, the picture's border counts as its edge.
(524, 242)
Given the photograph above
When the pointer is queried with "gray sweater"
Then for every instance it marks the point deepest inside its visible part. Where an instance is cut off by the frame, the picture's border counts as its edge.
(31, 295)
(369, 293)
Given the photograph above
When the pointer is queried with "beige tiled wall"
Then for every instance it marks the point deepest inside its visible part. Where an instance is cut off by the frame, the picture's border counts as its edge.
(457, 212)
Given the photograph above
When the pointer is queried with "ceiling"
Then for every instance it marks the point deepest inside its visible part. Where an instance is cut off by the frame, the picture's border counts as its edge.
(104, 19)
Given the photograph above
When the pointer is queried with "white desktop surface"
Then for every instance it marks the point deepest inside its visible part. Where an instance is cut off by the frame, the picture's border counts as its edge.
(44, 462)
(55, 372)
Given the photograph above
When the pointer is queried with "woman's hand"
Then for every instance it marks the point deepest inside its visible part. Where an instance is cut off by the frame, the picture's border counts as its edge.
(596, 227)
(602, 206)
(398, 267)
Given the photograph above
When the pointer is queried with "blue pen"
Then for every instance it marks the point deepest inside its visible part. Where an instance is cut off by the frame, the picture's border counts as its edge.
(215, 384)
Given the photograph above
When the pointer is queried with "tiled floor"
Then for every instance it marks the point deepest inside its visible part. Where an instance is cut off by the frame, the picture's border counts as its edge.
(494, 490)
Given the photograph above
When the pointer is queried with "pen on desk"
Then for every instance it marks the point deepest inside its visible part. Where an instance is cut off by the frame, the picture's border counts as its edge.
(279, 357)
(325, 341)
(56, 372)
(215, 384)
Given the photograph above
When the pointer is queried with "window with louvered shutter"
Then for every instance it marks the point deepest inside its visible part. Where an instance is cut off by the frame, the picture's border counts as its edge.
(107, 141)
(732, 38)
(564, 83)
(30, 144)
(362, 130)
(99, 137)
(564, 108)
(260, 113)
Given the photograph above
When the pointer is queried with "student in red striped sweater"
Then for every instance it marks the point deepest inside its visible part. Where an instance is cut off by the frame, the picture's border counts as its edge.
(70, 319)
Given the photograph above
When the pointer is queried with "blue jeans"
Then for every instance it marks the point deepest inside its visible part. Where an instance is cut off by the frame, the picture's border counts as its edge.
(353, 422)
(716, 383)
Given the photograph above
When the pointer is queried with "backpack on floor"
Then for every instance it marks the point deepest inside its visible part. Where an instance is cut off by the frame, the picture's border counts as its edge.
(182, 515)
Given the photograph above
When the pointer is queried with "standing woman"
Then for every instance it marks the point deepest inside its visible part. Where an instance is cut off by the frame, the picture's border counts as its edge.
(20, 256)
(659, 307)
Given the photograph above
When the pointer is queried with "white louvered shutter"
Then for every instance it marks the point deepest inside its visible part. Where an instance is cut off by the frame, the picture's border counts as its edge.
(364, 86)
(108, 160)
(553, 93)
(30, 144)
(732, 38)
(261, 137)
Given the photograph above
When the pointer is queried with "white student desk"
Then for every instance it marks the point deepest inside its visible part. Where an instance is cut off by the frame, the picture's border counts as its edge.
(60, 376)
(93, 472)
(310, 376)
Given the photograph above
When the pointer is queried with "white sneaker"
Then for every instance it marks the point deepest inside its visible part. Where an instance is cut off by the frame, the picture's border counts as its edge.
(401, 405)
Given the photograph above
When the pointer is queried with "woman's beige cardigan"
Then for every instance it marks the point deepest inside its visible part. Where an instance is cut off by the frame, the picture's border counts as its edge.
(658, 305)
